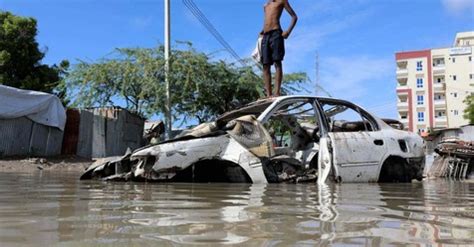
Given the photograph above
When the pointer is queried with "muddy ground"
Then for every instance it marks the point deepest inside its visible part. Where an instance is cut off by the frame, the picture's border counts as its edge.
(63, 163)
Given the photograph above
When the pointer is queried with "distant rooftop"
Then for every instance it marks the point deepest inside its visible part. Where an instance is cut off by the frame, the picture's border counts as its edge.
(463, 36)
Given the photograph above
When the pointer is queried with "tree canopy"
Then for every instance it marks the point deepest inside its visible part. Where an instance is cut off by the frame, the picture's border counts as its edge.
(201, 87)
(469, 111)
(20, 57)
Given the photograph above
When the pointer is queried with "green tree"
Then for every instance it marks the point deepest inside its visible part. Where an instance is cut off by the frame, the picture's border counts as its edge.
(134, 76)
(469, 111)
(20, 57)
(201, 88)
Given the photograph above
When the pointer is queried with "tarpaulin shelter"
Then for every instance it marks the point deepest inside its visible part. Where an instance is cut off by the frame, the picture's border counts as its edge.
(31, 122)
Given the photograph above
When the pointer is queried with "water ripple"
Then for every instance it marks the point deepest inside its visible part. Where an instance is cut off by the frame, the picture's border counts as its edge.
(46, 209)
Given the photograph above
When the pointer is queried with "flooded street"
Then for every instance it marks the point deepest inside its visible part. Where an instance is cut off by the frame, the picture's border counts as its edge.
(45, 209)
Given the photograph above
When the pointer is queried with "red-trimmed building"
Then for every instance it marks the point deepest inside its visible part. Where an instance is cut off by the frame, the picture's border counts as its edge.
(432, 85)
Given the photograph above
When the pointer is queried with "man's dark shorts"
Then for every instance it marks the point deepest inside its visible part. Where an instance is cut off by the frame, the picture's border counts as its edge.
(273, 47)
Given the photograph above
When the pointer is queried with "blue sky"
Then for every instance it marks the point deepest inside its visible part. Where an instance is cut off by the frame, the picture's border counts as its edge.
(356, 39)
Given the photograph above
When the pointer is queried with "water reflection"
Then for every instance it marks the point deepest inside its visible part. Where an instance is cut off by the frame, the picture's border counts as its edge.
(44, 209)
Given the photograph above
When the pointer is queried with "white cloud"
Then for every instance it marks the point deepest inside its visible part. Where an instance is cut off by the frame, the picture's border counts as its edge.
(355, 77)
(362, 79)
(323, 7)
(308, 38)
(141, 22)
(457, 7)
(318, 22)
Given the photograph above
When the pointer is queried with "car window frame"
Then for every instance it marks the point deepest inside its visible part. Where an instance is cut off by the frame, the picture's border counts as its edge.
(265, 116)
(363, 113)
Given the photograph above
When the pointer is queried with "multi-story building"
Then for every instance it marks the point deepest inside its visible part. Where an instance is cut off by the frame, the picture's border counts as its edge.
(432, 85)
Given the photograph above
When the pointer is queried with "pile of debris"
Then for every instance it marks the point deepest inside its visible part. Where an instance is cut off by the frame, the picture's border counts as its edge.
(455, 160)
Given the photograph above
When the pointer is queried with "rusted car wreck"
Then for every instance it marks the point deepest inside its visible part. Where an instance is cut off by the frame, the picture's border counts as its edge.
(455, 159)
(284, 139)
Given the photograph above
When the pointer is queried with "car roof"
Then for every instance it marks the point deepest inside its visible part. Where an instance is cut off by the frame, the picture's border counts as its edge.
(254, 108)
(259, 106)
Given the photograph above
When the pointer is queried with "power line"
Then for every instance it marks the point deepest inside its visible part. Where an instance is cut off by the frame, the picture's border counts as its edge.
(208, 25)
(203, 19)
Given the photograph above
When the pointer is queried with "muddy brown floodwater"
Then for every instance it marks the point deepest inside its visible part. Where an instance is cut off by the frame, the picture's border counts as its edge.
(44, 209)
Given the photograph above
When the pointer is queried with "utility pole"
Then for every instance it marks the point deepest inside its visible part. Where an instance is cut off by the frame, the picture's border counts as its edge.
(168, 116)
(317, 74)
(317, 84)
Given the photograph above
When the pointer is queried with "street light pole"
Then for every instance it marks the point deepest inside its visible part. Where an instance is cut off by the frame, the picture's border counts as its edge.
(167, 69)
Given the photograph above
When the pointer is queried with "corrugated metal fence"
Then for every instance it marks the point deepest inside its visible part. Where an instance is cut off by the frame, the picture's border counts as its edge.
(89, 133)
(21, 136)
(102, 132)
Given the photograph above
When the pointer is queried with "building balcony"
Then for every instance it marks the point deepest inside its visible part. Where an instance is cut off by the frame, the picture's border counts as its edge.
(420, 89)
(402, 87)
(440, 104)
(439, 87)
(441, 124)
(442, 119)
(402, 73)
(402, 64)
(439, 69)
(402, 83)
(420, 106)
(405, 123)
(402, 106)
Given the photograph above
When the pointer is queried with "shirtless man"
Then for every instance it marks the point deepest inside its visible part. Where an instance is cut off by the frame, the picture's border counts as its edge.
(273, 45)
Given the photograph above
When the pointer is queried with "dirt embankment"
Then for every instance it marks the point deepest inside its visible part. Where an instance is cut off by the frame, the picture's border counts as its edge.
(66, 164)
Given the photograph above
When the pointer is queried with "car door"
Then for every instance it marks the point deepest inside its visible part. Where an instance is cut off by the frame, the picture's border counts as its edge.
(358, 145)
(325, 163)
(306, 108)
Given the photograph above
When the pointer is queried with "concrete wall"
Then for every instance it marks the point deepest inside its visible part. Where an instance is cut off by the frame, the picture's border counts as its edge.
(465, 133)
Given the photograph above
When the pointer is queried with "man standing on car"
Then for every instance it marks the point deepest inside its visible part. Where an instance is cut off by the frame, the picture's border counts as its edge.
(273, 44)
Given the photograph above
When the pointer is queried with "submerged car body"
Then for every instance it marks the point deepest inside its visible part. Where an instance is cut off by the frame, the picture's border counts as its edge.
(283, 139)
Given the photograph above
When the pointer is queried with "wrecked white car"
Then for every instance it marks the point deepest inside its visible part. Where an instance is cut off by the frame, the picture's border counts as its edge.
(285, 139)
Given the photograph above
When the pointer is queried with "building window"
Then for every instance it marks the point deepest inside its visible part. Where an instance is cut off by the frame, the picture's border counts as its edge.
(455, 77)
(419, 82)
(455, 95)
(419, 66)
(470, 58)
(456, 112)
(454, 59)
(438, 80)
(437, 97)
(420, 99)
(471, 76)
(421, 116)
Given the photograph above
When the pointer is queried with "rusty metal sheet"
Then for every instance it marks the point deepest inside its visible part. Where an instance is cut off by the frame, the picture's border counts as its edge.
(71, 132)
